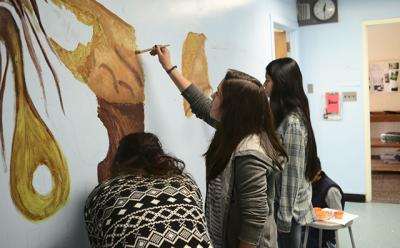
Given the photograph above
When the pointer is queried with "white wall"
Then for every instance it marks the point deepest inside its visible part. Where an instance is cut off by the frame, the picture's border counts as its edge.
(238, 36)
(383, 42)
(283, 16)
(332, 59)
(383, 45)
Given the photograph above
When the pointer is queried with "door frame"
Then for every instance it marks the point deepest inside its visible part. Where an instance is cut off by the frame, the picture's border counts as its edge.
(291, 29)
(367, 122)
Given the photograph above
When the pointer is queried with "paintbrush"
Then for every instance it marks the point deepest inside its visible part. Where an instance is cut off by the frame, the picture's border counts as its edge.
(149, 49)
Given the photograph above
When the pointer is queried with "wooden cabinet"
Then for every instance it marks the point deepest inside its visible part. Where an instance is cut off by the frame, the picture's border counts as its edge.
(376, 164)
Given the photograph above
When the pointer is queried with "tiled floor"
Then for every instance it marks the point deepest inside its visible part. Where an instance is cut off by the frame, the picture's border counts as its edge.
(378, 225)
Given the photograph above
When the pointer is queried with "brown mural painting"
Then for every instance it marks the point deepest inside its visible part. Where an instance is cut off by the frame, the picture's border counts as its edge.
(107, 64)
(33, 144)
(194, 65)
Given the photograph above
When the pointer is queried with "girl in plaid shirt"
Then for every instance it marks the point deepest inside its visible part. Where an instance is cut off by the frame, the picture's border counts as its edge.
(290, 108)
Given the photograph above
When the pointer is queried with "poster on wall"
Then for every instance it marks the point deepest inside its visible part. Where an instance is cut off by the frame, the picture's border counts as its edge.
(332, 106)
(384, 76)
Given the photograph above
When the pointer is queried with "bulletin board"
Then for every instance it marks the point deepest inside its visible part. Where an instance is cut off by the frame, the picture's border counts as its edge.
(384, 76)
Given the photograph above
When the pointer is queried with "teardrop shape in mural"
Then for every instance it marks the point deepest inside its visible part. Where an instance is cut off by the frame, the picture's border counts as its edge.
(33, 144)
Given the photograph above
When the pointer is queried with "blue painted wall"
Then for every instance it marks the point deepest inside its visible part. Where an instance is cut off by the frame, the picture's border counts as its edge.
(331, 58)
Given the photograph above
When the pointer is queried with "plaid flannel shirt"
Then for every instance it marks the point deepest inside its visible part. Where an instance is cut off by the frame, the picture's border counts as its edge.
(295, 191)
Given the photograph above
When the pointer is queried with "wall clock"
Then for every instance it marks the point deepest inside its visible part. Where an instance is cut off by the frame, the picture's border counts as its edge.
(324, 10)
(311, 12)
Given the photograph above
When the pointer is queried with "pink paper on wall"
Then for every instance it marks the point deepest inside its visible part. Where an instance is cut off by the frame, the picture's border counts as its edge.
(332, 102)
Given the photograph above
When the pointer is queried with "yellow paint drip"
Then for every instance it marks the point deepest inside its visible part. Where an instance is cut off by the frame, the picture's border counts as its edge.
(33, 144)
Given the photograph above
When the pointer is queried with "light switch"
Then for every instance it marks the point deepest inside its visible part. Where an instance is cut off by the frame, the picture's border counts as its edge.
(350, 96)
(310, 88)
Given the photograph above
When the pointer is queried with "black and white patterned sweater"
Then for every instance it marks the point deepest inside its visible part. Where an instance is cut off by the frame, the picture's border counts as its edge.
(133, 211)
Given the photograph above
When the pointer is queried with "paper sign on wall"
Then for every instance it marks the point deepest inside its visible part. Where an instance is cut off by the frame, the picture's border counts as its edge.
(332, 106)
(332, 103)
(384, 76)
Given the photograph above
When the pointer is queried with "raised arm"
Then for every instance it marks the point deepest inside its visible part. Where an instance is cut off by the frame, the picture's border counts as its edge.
(165, 60)
(199, 103)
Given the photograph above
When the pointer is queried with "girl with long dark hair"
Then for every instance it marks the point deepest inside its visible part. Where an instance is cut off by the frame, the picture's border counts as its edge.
(242, 159)
(289, 105)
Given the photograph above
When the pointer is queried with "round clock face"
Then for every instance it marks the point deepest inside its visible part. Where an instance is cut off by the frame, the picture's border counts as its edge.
(324, 9)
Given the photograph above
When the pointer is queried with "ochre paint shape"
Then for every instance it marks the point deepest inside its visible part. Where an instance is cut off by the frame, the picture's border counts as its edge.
(194, 65)
(109, 66)
(107, 63)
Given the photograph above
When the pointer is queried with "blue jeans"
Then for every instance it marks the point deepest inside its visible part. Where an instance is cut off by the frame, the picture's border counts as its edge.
(291, 239)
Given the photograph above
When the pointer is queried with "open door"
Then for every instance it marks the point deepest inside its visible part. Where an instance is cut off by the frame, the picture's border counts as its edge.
(381, 87)
(281, 44)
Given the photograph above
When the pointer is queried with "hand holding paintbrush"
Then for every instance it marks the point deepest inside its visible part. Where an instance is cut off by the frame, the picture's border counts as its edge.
(164, 58)
(163, 55)
(150, 49)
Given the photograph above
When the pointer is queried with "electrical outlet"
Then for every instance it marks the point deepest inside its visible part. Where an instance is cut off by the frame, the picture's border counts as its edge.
(310, 88)
(350, 96)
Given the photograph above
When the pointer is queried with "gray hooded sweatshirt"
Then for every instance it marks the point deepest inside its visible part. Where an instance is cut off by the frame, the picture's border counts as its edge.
(239, 202)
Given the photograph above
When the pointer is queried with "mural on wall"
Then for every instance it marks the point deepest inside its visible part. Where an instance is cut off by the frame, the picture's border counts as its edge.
(33, 144)
(107, 64)
(194, 65)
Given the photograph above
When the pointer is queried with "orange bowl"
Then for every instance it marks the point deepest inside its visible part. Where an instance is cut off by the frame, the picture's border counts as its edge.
(322, 215)
(317, 209)
(339, 214)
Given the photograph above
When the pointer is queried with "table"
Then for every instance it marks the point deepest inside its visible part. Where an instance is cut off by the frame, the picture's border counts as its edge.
(324, 225)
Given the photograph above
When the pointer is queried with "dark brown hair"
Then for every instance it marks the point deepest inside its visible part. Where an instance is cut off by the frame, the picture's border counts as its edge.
(142, 154)
(288, 96)
(245, 111)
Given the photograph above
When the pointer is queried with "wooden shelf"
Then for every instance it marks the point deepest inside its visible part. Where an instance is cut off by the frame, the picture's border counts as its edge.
(379, 166)
(376, 164)
(376, 142)
(384, 117)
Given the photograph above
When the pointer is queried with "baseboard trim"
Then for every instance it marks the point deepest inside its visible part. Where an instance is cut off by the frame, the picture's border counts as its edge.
(354, 197)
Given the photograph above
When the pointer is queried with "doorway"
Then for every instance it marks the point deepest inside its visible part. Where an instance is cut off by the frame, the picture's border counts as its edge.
(382, 115)
(284, 37)
(282, 47)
